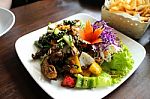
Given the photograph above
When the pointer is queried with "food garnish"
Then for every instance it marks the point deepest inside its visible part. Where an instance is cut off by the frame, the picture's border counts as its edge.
(90, 35)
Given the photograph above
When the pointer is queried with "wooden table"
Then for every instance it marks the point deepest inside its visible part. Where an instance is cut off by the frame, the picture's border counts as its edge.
(15, 81)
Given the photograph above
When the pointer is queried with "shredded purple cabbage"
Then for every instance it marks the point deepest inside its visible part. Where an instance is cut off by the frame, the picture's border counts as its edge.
(108, 36)
(99, 24)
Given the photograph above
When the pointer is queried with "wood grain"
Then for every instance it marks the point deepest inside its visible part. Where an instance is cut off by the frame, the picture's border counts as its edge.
(15, 81)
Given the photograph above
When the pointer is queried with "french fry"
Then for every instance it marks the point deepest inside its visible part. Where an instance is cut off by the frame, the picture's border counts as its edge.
(133, 4)
(147, 15)
(140, 7)
(132, 7)
(128, 7)
(144, 19)
(147, 1)
(139, 2)
(117, 11)
(114, 8)
(112, 1)
(142, 11)
(145, 12)
(131, 12)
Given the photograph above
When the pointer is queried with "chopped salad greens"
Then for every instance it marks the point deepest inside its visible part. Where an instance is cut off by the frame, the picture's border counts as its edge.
(85, 55)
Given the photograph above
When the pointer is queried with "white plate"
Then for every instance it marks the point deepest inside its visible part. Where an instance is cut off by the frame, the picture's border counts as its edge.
(7, 20)
(25, 47)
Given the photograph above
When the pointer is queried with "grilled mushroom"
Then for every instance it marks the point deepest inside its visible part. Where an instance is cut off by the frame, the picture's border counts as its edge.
(48, 70)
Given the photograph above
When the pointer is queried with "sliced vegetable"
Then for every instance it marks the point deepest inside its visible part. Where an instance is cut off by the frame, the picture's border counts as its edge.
(95, 69)
(85, 82)
(69, 41)
(102, 80)
(89, 82)
(56, 31)
(79, 81)
(77, 66)
(68, 81)
(89, 35)
(86, 59)
(92, 82)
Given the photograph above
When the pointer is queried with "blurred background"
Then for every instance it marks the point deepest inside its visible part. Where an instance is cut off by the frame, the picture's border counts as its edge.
(17, 3)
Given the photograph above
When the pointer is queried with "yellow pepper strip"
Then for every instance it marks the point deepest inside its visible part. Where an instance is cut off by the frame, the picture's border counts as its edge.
(95, 69)
(75, 61)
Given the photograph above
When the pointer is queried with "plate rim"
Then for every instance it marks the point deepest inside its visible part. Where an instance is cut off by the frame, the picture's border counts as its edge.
(13, 20)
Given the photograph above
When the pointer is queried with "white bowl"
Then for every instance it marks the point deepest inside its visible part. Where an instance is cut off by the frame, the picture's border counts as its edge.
(7, 20)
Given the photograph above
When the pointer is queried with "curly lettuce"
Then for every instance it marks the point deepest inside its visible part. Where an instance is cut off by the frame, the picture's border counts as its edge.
(120, 65)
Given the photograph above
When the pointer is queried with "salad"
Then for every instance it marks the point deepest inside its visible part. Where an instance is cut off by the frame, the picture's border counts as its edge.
(83, 55)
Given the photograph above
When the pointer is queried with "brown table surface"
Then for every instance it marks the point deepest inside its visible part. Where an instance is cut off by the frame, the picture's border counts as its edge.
(15, 81)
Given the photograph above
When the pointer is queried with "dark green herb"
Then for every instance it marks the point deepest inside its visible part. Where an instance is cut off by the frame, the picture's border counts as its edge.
(69, 22)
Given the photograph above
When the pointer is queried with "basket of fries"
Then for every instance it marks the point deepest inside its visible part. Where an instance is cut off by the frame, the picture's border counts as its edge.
(131, 17)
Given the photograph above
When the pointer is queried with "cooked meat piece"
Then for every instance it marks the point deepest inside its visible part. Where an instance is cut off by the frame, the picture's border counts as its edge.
(48, 71)
(75, 30)
(55, 57)
(39, 54)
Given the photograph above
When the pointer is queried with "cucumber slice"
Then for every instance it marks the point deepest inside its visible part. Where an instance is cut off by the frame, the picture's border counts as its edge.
(89, 82)
(92, 82)
(56, 31)
(103, 80)
(85, 82)
(69, 40)
(79, 81)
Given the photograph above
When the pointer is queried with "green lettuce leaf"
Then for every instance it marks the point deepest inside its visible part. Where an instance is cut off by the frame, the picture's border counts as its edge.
(120, 65)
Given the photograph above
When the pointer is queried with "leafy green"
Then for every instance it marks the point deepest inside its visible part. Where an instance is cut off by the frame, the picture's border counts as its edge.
(69, 22)
(120, 65)
(69, 40)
